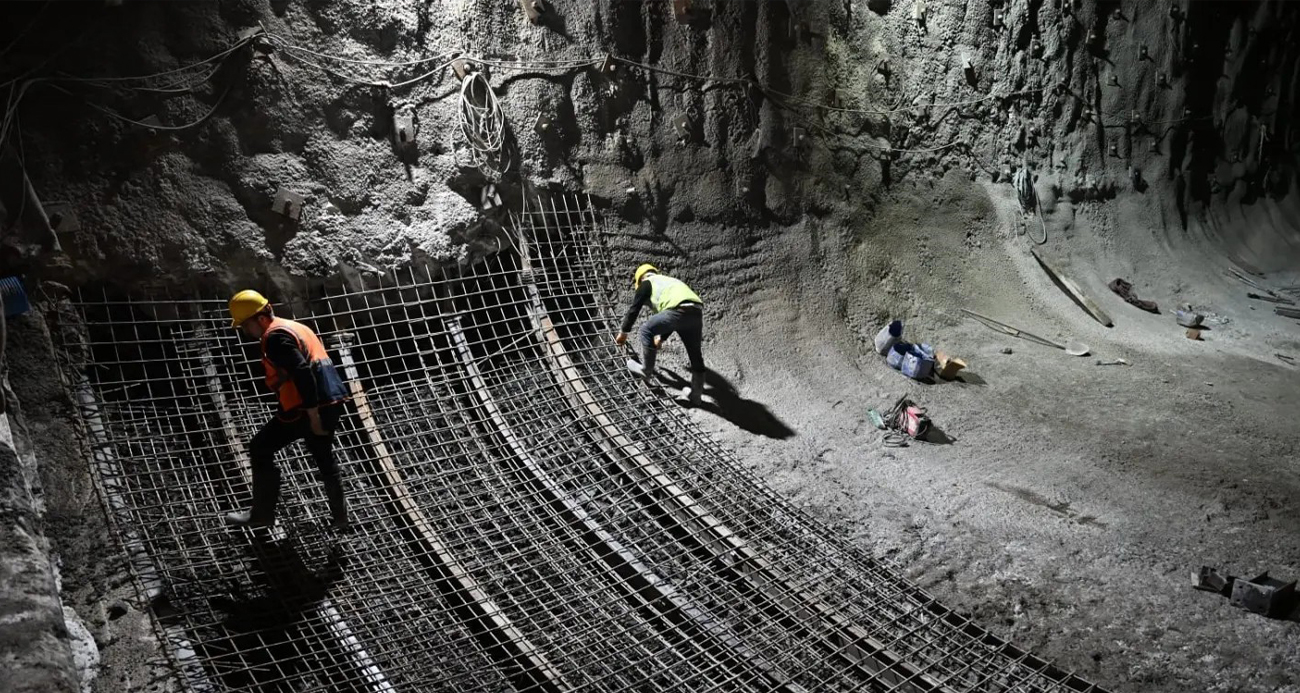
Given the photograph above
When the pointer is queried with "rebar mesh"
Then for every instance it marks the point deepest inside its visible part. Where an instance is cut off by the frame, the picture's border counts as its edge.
(526, 515)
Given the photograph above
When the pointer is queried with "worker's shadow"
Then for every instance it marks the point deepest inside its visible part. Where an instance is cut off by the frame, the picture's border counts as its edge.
(262, 628)
(722, 400)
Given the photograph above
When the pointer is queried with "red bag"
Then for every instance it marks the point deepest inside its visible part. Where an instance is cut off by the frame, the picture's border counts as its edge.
(912, 420)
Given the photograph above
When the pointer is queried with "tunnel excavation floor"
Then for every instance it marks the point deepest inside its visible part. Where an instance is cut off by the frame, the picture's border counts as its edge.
(526, 516)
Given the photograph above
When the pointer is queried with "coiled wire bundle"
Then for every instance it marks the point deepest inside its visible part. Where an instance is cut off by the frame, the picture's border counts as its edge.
(483, 125)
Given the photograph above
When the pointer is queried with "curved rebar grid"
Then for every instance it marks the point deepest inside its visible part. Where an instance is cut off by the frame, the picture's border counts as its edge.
(526, 516)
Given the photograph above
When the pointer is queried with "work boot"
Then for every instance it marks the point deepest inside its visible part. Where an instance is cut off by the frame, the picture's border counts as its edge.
(341, 520)
(696, 393)
(648, 358)
(246, 519)
(338, 506)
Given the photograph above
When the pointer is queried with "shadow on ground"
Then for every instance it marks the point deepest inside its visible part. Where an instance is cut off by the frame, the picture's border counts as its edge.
(262, 623)
(724, 401)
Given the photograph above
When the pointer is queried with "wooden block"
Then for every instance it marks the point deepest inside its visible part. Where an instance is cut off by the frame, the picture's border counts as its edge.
(461, 68)
(682, 9)
(1194, 334)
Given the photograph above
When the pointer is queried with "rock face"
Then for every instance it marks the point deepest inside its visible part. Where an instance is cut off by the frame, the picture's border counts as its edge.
(1187, 103)
(749, 143)
(34, 648)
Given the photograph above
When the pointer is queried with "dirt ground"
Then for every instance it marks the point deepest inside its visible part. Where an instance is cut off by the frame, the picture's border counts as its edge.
(1075, 500)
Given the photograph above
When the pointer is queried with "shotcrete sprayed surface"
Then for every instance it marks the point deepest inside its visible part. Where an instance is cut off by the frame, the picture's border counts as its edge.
(1075, 499)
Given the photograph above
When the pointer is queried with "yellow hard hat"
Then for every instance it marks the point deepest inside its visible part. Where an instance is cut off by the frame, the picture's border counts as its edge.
(245, 305)
(641, 272)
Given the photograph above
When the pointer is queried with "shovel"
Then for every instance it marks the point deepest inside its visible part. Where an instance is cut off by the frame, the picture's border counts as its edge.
(1071, 348)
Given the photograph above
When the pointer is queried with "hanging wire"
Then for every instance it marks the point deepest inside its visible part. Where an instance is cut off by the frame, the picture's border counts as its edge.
(157, 126)
(482, 124)
(184, 69)
(26, 30)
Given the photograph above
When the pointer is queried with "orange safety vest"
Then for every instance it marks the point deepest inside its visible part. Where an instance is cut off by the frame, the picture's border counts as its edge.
(327, 380)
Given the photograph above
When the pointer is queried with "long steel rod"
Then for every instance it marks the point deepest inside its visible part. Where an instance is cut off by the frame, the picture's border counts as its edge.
(850, 641)
(140, 564)
(531, 669)
(652, 591)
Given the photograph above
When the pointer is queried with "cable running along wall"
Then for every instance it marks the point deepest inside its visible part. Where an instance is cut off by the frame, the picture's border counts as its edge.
(526, 516)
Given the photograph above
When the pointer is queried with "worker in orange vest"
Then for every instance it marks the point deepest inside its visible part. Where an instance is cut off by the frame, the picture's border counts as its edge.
(311, 394)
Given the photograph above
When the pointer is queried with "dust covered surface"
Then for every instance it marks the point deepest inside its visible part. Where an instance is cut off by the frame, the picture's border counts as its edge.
(869, 179)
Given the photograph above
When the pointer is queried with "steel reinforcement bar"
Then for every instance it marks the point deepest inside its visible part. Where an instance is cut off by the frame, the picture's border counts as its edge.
(526, 518)
(942, 649)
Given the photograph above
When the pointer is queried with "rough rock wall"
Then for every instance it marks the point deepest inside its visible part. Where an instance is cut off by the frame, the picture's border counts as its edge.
(34, 651)
(1192, 99)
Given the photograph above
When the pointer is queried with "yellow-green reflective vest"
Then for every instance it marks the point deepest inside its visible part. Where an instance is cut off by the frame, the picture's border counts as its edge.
(667, 293)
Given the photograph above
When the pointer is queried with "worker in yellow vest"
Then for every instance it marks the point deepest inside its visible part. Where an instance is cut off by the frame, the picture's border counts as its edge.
(310, 394)
(676, 309)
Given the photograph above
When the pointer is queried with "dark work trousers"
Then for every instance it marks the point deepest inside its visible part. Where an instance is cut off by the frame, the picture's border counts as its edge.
(279, 433)
(687, 321)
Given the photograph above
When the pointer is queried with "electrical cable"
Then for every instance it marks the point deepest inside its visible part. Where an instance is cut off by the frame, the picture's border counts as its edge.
(48, 59)
(336, 73)
(542, 65)
(422, 77)
(16, 95)
(22, 166)
(171, 128)
(284, 42)
(904, 109)
(30, 25)
(367, 82)
(885, 148)
(482, 126)
(675, 73)
(184, 68)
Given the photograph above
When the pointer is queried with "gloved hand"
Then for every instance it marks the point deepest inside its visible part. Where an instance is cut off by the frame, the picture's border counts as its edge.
(620, 339)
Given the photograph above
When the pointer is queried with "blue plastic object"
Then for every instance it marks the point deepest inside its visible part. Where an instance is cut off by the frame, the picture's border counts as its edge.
(896, 353)
(15, 297)
(888, 337)
(914, 360)
(917, 366)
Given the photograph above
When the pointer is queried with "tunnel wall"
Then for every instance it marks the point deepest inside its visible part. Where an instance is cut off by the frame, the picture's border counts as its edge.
(1187, 103)
(1209, 146)
(34, 649)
